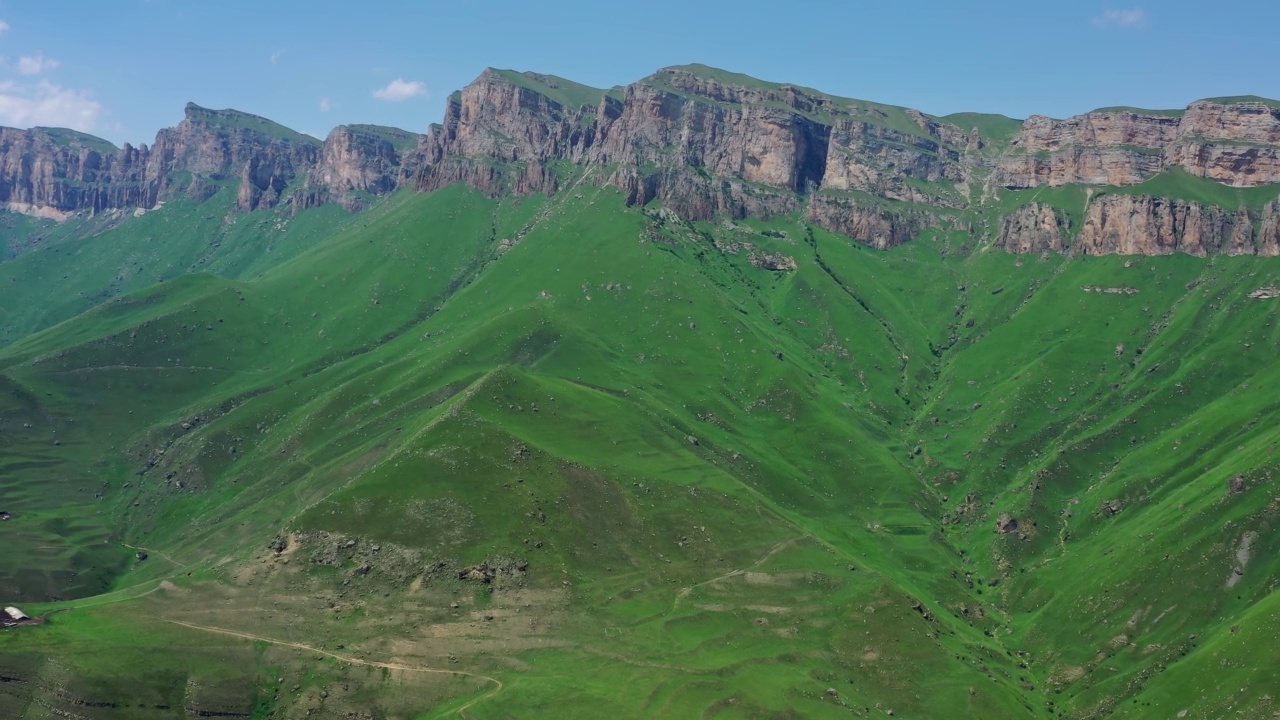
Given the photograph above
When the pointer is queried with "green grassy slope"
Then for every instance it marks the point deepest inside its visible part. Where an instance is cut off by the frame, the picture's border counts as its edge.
(117, 253)
(702, 487)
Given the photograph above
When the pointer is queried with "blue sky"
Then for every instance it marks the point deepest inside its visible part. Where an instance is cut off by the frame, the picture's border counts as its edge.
(124, 68)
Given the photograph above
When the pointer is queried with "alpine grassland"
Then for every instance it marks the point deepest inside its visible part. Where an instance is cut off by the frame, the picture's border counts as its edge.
(455, 456)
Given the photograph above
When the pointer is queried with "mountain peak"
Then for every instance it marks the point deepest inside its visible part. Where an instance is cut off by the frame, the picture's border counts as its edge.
(231, 120)
(566, 92)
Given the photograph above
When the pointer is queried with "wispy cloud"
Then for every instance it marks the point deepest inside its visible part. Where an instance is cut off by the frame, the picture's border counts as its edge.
(400, 89)
(1130, 18)
(275, 56)
(45, 103)
(4, 27)
(36, 64)
(325, 105)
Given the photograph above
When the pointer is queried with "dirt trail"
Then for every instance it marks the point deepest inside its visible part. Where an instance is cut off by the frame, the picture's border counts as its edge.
(353, 660)
(149, 551)
(778, 547)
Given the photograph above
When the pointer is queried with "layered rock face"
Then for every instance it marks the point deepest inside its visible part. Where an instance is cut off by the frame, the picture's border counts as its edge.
(709, 144)
(219, 144)
(53, 172)
(1033, 228)
(50, 172)
(355, 162)
(703, 146)
(493, 122)
(1145, 225)
(1117, 224)
(1224, 141)
(757, 136)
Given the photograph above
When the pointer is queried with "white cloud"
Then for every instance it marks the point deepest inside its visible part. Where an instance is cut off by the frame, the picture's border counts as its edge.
(325, 105)
(4, 27)
(1134, 17)
(400, 89)
(36, 64)
(47, 104)
(275, 56)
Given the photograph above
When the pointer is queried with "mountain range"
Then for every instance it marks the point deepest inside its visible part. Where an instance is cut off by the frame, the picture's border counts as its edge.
(699, 397)
(713, 144)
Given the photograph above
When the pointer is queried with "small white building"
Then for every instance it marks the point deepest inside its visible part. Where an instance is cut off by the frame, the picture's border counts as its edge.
(15, 614)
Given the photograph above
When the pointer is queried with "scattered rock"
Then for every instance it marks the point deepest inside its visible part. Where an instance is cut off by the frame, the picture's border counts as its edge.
(1006, 523)
(920, 608)
(1110, 290)
(1265, 293)
(1236, 484)
(490, 570)
(140, 555)
(771, 261)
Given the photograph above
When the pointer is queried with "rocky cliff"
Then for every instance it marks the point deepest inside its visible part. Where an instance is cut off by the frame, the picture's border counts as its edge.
(1233, 141)
(356, 162)
(50, 172)
(1146, 225)
(55, 172)
(1034, 228)
(1120, 224)
(705, 144)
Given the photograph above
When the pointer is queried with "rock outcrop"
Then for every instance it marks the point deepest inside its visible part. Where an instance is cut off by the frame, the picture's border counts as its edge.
(1033, 228)
(867, 222)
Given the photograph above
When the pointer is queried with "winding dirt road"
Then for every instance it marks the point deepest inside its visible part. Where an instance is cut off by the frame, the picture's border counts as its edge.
(355, 661)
